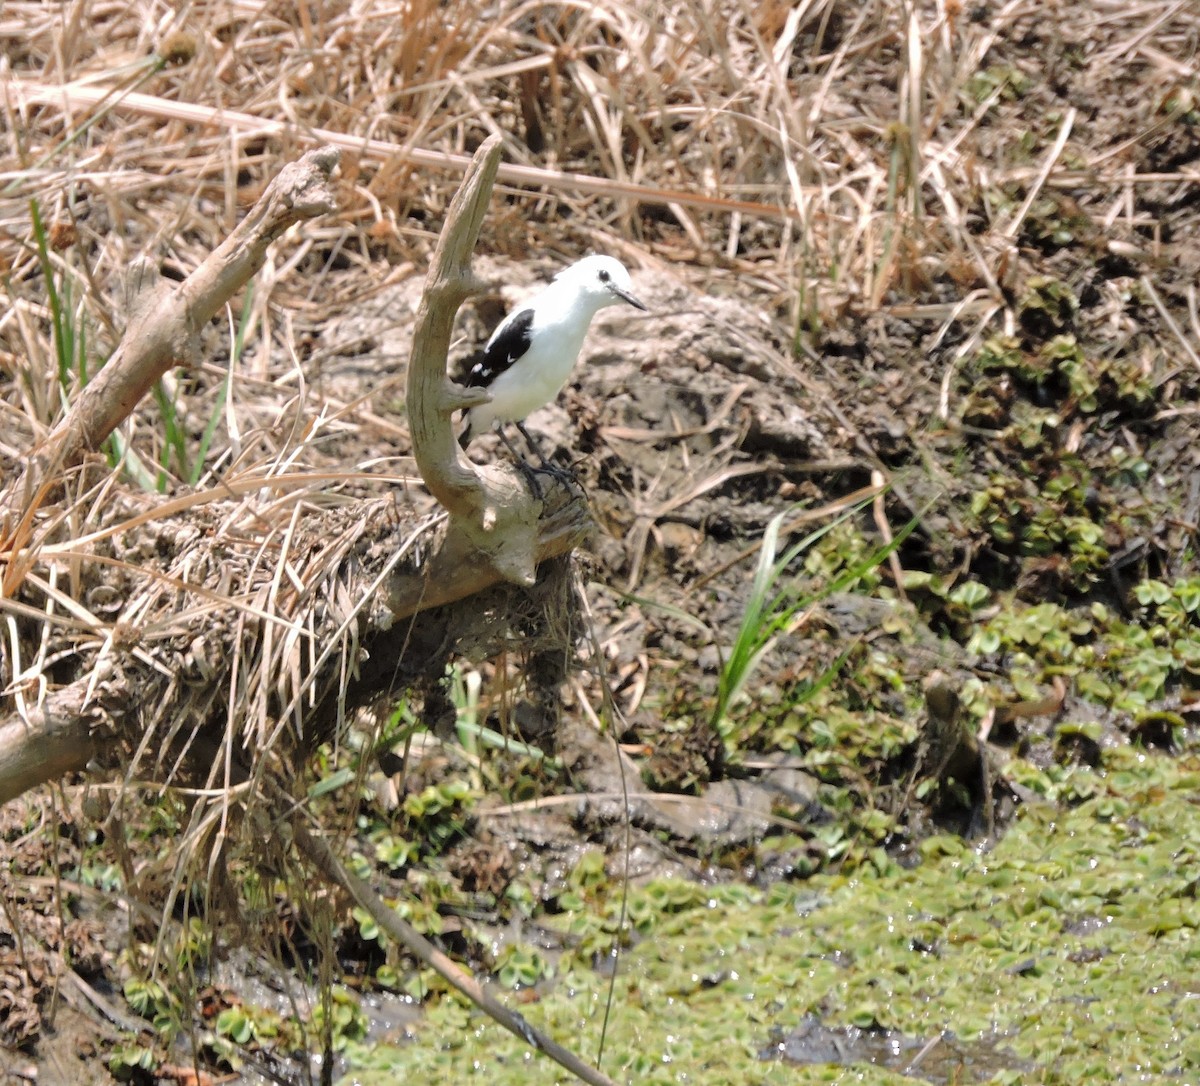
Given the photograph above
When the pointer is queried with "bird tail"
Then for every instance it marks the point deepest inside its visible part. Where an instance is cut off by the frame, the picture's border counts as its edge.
(464, 439)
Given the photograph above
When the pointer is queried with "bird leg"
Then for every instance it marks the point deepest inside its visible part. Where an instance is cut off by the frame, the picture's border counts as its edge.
(532, 444)
(523, 465)
(563, 475)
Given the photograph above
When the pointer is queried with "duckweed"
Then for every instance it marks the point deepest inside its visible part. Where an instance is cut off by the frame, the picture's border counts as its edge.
(1068, 953)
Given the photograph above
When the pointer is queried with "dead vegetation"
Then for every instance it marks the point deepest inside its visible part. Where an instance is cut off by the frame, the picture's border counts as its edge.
(836, 209)
(197, 691)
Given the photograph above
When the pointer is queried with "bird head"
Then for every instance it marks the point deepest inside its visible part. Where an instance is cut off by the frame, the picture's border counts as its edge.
(603, 279)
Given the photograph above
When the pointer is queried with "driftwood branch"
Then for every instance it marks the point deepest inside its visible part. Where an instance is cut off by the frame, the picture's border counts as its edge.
(496, 531)
(164, 320)
(46, 741)
(431, 396)
(494, 521)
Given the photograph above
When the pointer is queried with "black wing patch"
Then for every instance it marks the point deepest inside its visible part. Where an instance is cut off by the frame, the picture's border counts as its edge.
(509, 344)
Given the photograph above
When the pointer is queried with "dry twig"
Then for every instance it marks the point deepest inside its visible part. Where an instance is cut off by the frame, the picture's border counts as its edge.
(322, 857)
(164, 321)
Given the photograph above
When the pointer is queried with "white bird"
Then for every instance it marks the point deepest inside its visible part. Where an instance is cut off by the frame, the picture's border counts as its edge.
(531, 354)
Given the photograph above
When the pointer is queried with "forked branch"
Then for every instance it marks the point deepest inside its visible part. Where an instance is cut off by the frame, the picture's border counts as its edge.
(494, 521)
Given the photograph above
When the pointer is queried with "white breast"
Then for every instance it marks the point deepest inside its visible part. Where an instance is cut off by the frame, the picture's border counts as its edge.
(538, 376)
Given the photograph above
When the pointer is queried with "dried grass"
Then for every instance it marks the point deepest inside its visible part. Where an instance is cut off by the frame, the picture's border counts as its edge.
(826, 157)
(823, 156)
(842, 183)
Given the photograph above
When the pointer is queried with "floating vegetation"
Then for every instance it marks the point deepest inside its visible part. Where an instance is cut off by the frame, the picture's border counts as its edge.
(1068, 953)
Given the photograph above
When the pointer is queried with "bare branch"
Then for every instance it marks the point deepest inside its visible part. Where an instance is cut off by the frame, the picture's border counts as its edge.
(48, 740)
(455, 570)
(431, 396)
(164, 321)
(322, 857)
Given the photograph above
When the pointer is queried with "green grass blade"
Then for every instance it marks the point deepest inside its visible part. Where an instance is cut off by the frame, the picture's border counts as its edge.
(764, 619)
(743, 653)
(53, 299)
(210, 429)
(175, 441)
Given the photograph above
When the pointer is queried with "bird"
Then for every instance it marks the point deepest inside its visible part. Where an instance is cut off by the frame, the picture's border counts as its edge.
(531, 353)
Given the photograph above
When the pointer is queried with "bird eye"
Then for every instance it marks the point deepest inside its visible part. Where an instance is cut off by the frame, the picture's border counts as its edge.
(604, 275)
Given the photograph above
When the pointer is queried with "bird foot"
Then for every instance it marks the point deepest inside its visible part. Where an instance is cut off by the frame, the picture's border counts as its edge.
(560, 474)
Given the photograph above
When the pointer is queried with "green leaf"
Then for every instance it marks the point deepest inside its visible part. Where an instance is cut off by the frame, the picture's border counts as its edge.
(331, 783)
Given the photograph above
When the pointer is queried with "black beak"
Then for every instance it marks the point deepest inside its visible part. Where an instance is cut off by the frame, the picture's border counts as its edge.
(625, 296)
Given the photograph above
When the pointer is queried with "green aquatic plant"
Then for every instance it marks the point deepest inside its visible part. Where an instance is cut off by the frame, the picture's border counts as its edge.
(777, 600)
(1018, 957)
